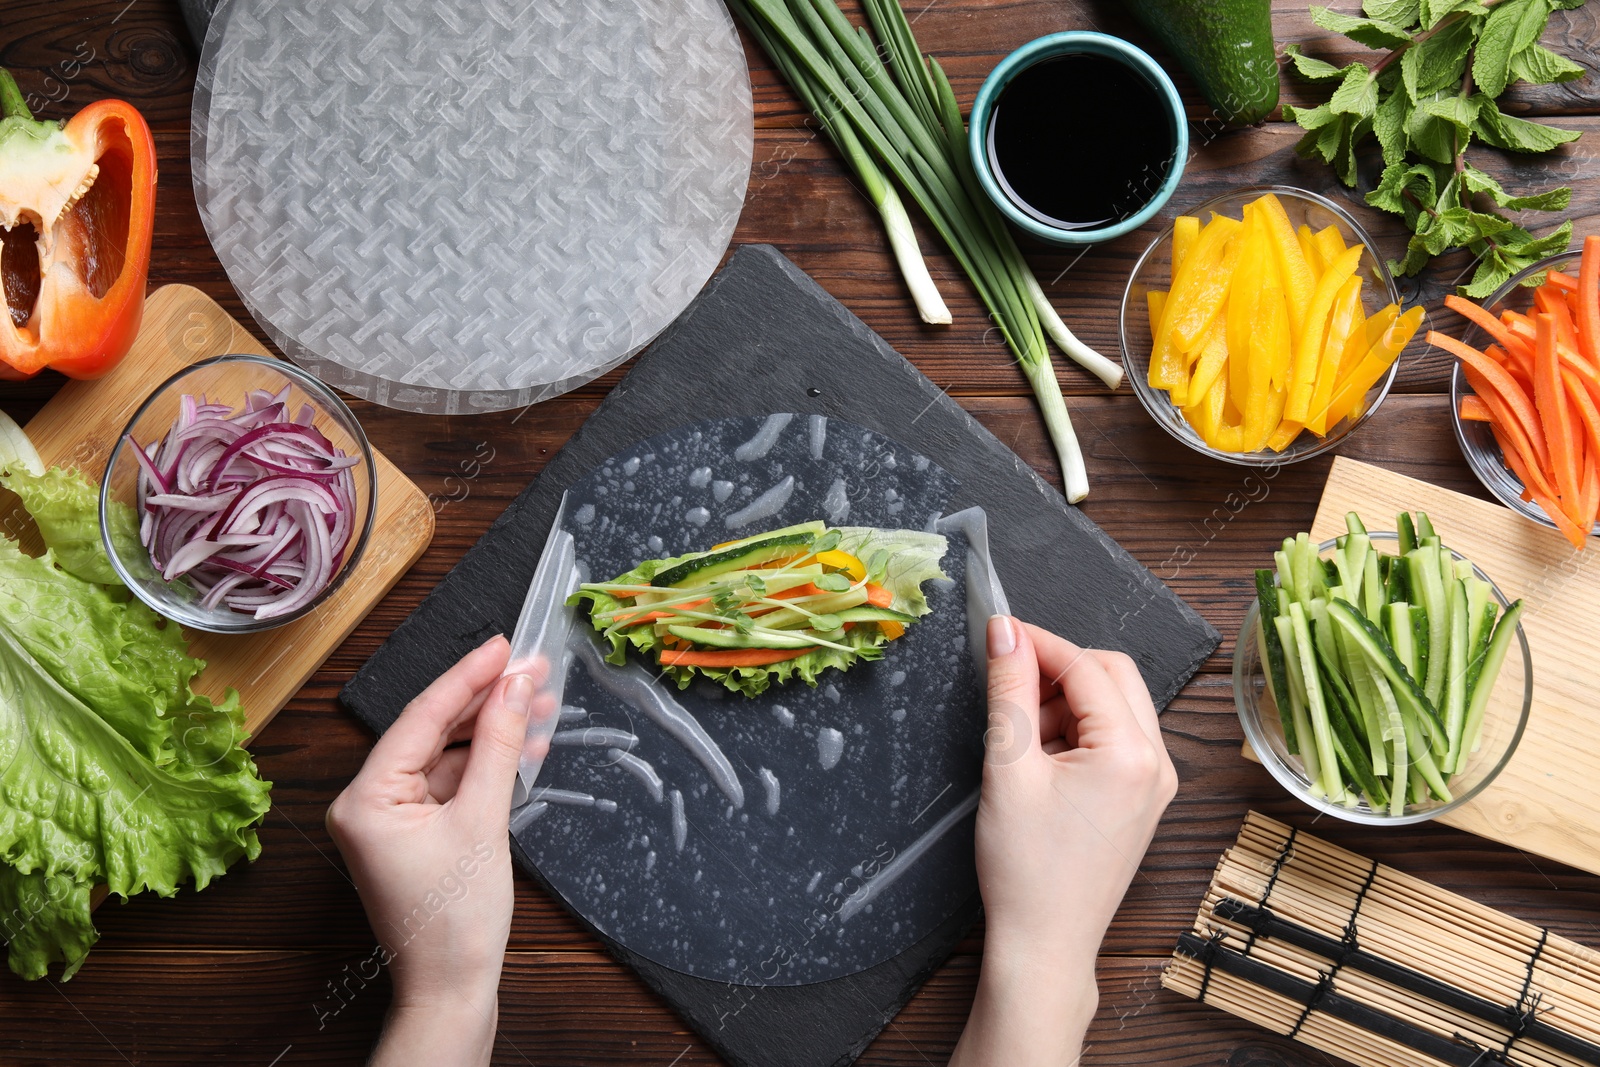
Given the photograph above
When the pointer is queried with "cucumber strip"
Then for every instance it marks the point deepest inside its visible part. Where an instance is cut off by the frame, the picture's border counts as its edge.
(1494, 658)
(1408, 533)
(1455, 683)
(1446, 564)
(1417, 748)
(1419, 788)
(1425, 528)
(1480, 646)
(1373, 714)
(1380, 654)
(1306, 577)
(1348, 728)
(1348, 559)
(734, 639)
(1402, 636)
(1285, 564)
(1425, 576)
(1297, 705)
(1419, 639)
(1400, 751)
(1321, 727)
(1271, 650)
(1353, 523)
(1372, 592)
(1396, 584)
(1477, 621)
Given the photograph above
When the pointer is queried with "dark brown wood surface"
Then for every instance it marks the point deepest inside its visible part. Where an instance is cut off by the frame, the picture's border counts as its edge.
(271, 964)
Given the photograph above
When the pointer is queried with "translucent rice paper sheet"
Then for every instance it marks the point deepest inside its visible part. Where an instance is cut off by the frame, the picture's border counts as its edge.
(457, 208)
(800, 836)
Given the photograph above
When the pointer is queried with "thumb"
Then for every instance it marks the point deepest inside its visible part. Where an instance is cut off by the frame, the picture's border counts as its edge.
(496, 751)
(1013, 723)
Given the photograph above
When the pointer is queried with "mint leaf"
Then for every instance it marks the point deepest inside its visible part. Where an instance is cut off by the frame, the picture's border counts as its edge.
(1374, 33)
(1389, 124)
(1551, 200)
(1398, 12)
(1513, 251)
(1309, 118)
(1501, 39)
(1357, 95)
(1517, 135)
(1435, 11)
(1438, 63)
(1397, 181)
(1313, 69)
(1537, 65)
(1433, 135)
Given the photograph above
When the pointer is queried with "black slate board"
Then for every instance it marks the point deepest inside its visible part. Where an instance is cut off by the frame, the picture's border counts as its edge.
(764, 337)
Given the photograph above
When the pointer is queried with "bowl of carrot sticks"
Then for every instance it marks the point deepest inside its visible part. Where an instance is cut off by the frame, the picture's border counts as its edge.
(1261, 328)
(1525, 393)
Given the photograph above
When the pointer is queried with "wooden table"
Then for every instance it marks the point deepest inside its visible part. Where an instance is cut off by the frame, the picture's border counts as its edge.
(263, 968)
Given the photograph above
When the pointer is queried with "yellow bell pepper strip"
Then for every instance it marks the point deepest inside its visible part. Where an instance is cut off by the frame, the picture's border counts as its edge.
(1185, 228)
(1313, 251)
(1168, 369)
(77, 208)
(1299, 282)
(1154, 301)
(1269, 335)
(1308, 348)
(1243, 294)
(1206, 284)
(1284, 435)
(844, 562)
(1363, 338)
(1330, 244)
(1214, 359)
(1341, 325)
(1384, 351)
(1205, 415)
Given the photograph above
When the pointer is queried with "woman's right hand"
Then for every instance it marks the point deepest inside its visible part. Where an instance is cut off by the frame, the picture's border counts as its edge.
(1075, 779)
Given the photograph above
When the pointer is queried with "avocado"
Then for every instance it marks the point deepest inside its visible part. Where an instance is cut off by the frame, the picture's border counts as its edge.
(1225, 45)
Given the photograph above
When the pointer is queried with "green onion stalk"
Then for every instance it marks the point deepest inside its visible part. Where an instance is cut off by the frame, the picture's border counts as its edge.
(906, 125)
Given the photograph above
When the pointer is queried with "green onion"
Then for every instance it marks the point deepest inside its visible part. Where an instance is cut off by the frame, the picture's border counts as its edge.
(900, 121)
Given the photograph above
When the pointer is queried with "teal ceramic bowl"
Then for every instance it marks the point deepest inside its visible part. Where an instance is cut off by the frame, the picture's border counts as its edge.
(1074, 42)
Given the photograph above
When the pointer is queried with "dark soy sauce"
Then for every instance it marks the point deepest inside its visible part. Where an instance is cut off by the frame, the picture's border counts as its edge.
(1080, 141)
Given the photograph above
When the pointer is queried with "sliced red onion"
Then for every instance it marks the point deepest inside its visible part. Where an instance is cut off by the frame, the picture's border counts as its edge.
(254, 509)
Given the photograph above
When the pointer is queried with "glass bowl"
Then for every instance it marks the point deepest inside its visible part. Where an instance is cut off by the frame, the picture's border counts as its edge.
(1154, 271)
(226, 379)
(1503, 721)
(1477, 443)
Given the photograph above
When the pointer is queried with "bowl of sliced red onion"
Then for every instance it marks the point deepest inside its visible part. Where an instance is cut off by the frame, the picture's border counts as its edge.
(253, 490)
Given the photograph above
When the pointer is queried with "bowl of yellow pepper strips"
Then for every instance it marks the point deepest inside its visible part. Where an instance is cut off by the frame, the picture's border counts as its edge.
(1246, 328)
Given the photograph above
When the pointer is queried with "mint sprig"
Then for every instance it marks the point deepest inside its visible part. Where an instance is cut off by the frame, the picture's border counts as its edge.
(1425, 101)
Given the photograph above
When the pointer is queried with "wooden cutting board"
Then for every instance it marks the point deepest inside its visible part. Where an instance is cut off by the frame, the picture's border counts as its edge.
(79, 425)
(1545, 800)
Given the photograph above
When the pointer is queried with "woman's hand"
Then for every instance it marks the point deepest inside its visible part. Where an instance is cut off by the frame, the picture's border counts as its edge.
(423, 830)
(1075, 779)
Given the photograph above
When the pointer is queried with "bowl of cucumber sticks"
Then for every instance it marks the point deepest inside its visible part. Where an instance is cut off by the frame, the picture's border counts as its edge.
(1381, 677)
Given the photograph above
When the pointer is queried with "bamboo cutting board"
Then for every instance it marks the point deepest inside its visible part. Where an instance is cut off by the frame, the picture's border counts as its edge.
(1545, 800)
(79, 425)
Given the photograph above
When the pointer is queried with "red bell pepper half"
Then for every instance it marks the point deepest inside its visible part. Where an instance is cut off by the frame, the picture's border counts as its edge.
(77, 203)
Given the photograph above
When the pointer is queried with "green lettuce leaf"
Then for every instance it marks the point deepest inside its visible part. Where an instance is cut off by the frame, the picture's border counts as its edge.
(912, 557)
(66, 508)
(113, 771)
(45, 920)
(77, 799)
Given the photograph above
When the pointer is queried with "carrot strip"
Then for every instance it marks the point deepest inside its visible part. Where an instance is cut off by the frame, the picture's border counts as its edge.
(1561, 280)
(1591, 478)
(1500, 382)
(878, 596)
(1570, 530)
(1588, 414)
(655, 616)
(1473, 409)
(1589, 301)
(1552, 303)
(1512, 437)
(1479, 317)
(732, 657)
(1549, 398)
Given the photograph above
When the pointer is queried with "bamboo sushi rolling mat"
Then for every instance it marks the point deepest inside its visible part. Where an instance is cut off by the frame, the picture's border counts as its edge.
(1386, 970)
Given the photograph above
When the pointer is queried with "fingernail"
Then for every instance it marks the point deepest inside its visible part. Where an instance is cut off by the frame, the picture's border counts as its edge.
(519, 693)
(1002, 636)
